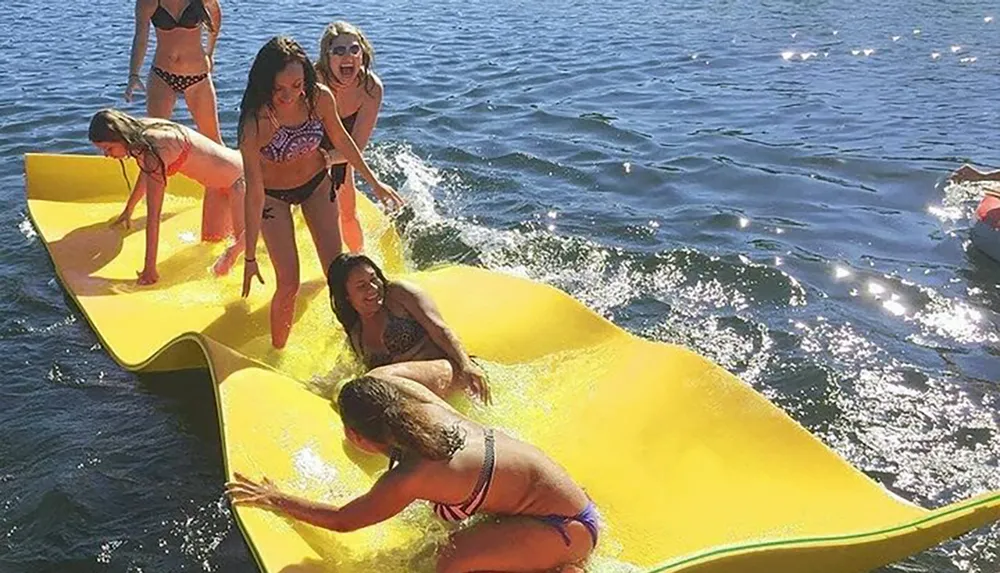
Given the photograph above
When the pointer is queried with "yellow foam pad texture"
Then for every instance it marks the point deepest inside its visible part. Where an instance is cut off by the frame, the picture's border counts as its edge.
(691, 468)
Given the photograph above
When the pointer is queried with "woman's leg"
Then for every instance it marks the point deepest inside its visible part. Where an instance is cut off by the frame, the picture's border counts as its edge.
(350, 227)
(216, 218)
(160, 97)
(324, 224)
(438, 376)
(278, 231)
(516, 543)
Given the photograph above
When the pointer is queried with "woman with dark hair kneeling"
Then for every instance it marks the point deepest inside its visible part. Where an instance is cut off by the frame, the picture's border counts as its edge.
(395, 328)
(545, 520)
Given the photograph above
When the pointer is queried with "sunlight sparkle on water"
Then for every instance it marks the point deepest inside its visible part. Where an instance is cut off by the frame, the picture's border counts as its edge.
(875, 289)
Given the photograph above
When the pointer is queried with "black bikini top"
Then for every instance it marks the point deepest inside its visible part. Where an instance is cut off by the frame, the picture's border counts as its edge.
(190, 18)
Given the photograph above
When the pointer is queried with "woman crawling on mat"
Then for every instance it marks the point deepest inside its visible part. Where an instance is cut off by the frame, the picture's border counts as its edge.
(287, 120)
(345, 65)
(163, 148)
(544, 520)
(395, 328)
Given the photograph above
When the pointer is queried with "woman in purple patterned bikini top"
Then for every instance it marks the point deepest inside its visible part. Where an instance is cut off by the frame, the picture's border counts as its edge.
(290, 143)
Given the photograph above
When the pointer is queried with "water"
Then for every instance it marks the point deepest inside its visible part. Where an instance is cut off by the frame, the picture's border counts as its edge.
(759, 180)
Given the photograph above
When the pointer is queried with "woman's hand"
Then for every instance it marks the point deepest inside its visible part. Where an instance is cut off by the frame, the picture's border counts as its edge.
(134, 85)
(246, 491)
(124, 220)
(147, 277)
(250, 270)
(473, 378)
(388, 196)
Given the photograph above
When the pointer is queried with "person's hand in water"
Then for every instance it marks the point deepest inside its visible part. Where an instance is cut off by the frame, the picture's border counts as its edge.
(134, 85)
(473, 378)
(246, 491)
(147, 277)
(250, 270)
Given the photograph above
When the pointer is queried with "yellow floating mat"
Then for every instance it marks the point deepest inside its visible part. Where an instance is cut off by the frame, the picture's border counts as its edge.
(692, 469)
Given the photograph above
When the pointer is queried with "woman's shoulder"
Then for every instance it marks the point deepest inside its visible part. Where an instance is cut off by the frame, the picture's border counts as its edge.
(401, 293)
(145, 7)
(374, 88)
(402, 288)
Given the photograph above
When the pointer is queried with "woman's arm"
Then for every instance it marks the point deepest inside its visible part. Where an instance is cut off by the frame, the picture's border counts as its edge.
(388, 497)
(140, 39)
(214, 11)
(326, 105)
(138, 192)
(253, 202)
(154, 185)
(422, 308)
(970, 173)
(364, 125)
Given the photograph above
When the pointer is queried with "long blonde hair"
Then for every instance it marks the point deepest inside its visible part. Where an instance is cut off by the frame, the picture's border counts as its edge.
(333, 30)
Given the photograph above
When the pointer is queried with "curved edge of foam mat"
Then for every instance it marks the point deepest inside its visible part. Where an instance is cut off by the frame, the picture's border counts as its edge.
(839, 553)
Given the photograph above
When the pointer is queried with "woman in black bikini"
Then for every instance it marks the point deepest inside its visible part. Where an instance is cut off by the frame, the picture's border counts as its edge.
(396, 329)
(286, 119)
(345, 65)
(182, 66)
(543, 520)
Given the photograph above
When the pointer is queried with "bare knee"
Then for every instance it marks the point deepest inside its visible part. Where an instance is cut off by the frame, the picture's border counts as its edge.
(286, 290)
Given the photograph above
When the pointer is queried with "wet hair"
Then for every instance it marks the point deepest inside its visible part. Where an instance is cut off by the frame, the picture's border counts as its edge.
(336, 280)
(380, 413)
(113, 126)
(365, 74)
(277, 53)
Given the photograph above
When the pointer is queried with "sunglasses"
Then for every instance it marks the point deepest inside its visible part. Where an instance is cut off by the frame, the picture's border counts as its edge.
(353, 49)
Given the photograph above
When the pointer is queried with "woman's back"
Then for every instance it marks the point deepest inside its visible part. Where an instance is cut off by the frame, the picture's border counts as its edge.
(524, 480)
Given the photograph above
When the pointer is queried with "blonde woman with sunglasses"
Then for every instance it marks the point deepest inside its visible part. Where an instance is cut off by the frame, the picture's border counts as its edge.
(345, 65)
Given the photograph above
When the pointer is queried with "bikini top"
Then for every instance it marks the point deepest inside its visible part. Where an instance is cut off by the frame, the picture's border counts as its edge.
(288, 143)
(190, 18)
(466, 509)
(401, 334)
(174, 167)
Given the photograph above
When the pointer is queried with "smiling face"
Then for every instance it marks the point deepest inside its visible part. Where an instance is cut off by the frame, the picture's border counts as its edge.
(365, 290)
(289, 85)
(344, 58)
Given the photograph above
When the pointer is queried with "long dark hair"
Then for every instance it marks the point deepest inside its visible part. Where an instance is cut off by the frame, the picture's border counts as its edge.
(336, 280)
(277, 53)
(381, 414)
(113, 126)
